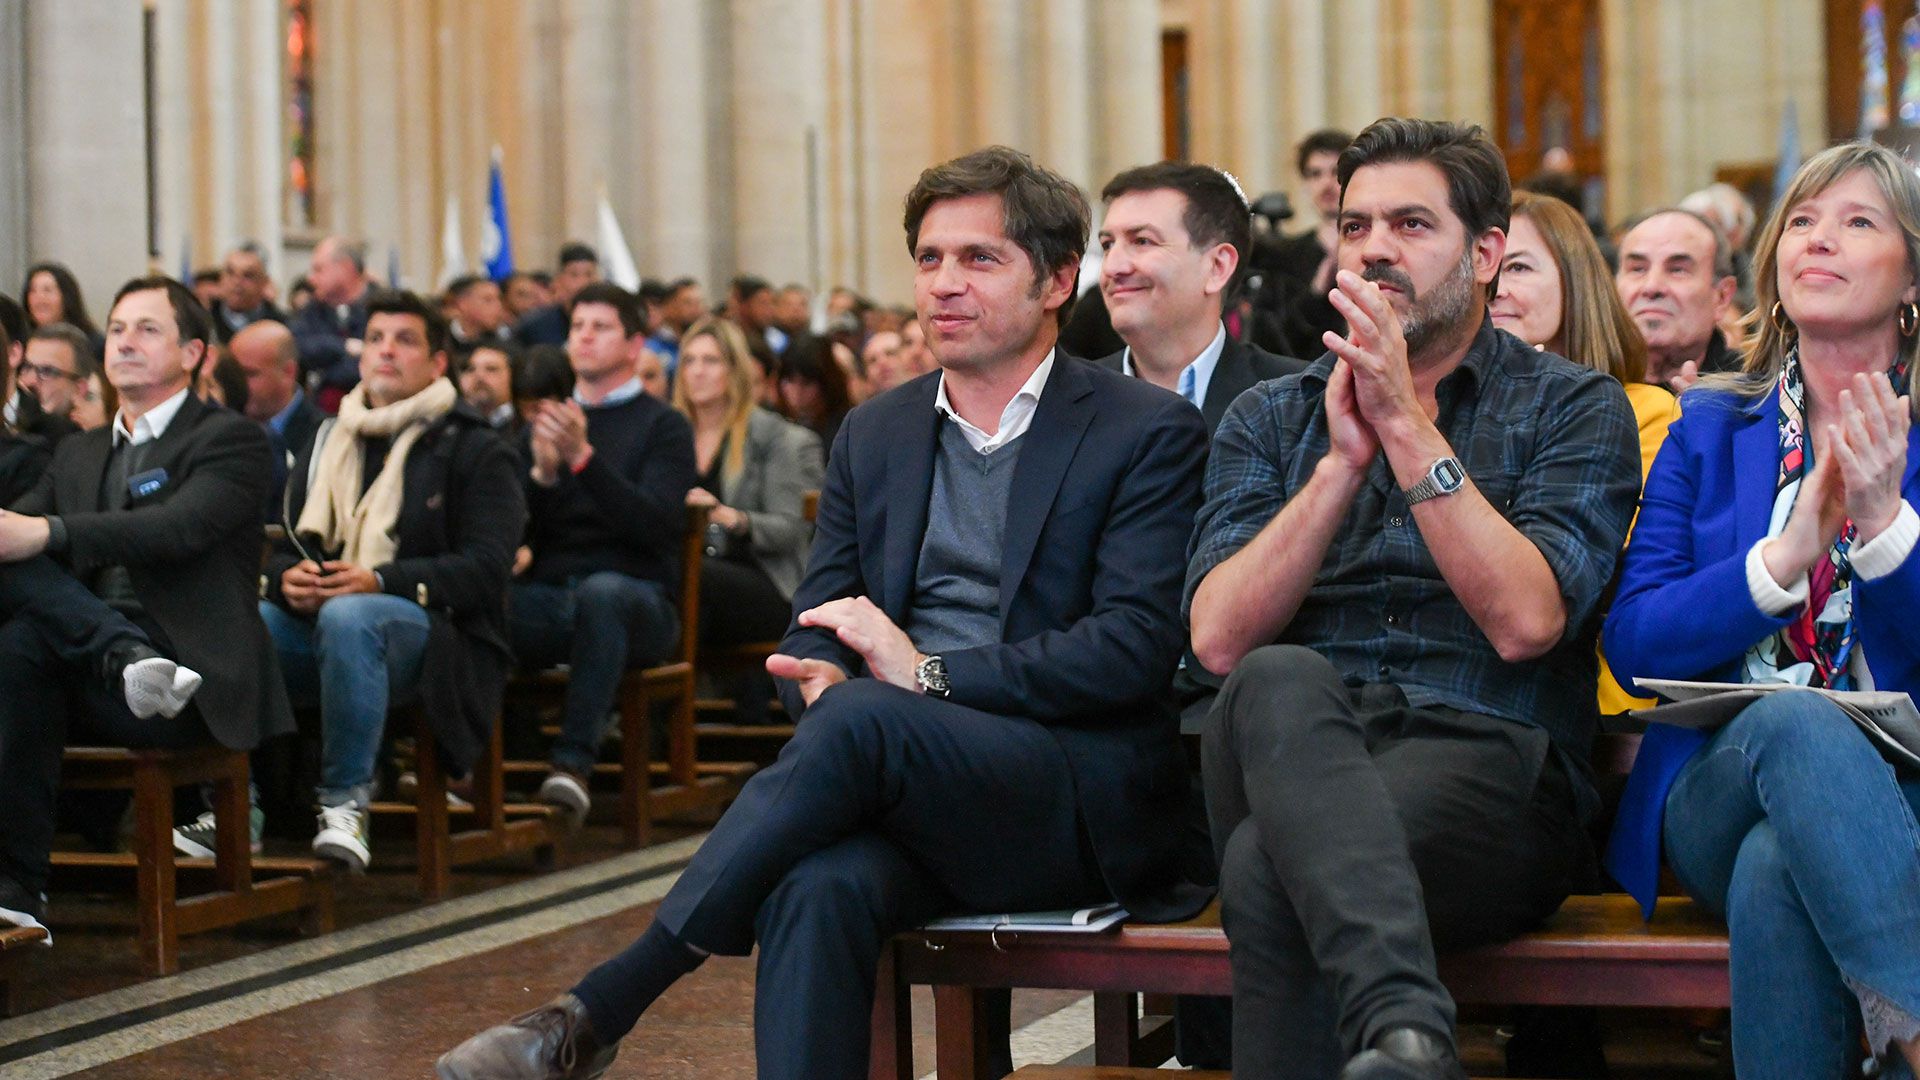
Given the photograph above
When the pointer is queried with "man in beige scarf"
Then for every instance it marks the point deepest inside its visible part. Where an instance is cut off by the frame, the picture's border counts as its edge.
(406, 511)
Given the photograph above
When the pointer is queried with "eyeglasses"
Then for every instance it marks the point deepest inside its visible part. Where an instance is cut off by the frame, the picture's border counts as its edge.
(42, 371)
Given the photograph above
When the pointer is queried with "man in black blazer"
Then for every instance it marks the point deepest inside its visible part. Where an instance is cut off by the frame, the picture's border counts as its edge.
(404, 514)
(980, 660)
(159, 514)
(1175, 236)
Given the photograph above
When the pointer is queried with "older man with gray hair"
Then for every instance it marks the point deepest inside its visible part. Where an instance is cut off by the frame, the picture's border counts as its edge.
(329, 330)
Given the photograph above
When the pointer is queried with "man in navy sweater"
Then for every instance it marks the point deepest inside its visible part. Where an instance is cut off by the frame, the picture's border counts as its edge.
(607, 495)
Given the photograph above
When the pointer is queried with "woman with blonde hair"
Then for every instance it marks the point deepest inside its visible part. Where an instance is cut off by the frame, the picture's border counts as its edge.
(1775, 546)
(754, 470)
(1556, 292)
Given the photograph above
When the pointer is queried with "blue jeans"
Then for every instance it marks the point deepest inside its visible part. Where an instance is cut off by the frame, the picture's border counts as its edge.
(599, 626)
(1791, 825)
(358, 655)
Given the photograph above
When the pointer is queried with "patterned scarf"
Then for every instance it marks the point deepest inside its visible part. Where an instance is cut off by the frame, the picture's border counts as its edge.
(1816, 648)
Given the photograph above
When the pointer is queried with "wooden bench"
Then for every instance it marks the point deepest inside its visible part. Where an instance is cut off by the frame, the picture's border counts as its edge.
(490, 829)
(1595, 950)
(688, 783)
(13, 949)
(236, 896)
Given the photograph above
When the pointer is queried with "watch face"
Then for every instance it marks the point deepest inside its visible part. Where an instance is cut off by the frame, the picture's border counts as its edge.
(1448, 475)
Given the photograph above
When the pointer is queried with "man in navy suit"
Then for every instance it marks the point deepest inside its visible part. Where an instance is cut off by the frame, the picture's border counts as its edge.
(982, 650)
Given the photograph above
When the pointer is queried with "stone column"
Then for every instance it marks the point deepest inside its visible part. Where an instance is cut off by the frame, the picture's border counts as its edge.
(86, 148)
(1127, 86)
(779, 67)
(14, 256)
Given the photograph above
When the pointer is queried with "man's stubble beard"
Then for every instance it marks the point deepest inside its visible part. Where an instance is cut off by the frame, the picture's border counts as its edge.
(1440, 313)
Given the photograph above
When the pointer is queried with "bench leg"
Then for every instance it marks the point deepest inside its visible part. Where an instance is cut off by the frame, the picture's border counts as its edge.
(636, 764)
(1116, 1028)
(962, 1035)
(891, 1056)
(153, 854)
(233, 834)
(430, 821)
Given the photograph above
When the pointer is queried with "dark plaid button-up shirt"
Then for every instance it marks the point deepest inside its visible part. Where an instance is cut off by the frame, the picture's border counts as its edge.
(1552, 445)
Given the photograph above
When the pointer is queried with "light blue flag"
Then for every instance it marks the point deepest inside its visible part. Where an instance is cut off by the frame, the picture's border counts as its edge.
(186, 259)
(1789, 162)
(496, 247)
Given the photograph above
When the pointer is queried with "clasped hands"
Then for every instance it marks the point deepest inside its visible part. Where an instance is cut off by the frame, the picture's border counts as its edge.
(863, 627)
(1371, 389)
(307, 584)
(558, 435)
(1859, 461)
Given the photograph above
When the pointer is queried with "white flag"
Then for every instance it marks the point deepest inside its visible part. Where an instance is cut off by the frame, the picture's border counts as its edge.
(616, 260)
(453, 253)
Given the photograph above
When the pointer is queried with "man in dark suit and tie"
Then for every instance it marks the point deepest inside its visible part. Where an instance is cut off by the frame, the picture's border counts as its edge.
(982, 649)
(1175, 236)
(158, 513)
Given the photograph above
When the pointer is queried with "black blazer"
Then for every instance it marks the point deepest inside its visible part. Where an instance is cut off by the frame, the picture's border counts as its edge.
(1241, 365)
(461, 516)
(1104, 496)
(192, 549)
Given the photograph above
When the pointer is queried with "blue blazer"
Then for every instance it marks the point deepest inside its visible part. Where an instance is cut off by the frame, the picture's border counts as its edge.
(1103, 499)
(1684, 610)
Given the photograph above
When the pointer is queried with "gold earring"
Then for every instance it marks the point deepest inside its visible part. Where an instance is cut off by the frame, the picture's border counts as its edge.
(1778, 315)
(1909, 319)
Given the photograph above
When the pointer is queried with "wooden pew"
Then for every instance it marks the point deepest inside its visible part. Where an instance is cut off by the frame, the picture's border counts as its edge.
(1595, 951)
(13, 950)
(237, 895)
(688, 783)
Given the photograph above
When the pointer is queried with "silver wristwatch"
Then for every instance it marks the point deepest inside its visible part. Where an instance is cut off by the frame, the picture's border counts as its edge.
(931, 674)
(1444, 477)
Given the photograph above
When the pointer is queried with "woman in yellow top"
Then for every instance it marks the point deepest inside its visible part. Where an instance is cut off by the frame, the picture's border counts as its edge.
(1555, 292)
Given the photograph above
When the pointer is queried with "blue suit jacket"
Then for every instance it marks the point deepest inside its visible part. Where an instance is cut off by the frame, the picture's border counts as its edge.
(1103, 500)
(1684, 610)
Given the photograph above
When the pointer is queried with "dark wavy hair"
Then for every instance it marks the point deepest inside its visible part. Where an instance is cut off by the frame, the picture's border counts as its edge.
(73, 306)
(1044, 213)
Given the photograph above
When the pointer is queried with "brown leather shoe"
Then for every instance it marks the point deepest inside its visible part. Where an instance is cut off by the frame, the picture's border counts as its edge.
(553, 1042)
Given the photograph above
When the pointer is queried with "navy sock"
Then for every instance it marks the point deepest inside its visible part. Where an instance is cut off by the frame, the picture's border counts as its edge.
(618, 991)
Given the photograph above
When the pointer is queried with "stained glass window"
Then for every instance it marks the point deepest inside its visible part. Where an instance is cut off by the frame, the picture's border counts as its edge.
(300, 73)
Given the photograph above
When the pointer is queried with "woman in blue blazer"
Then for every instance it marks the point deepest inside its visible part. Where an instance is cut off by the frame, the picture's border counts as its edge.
(1776, 544)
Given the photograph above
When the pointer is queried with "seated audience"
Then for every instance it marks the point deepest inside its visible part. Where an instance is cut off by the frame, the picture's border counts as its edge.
(579, 266)
(526, 291)
(611, 468)
(242, 296)
(51, 294)
(159, 518)
(813, 389)
(221, 382)
(23, 456)
(405, 512)
(546, 376)
(750, 306)
(59, 360)
(205, 284)
(266, 355)
(95, 405)
(1173, 239)
(478, 314)
(793, 310)
(985, 726)
(488, 374)
(299, 295)
(682, 306)
(1676, 279)
(1775, 545)
(880, 358)
(329, 331)
(1553, 294)
(753, 472)
(1399, 562)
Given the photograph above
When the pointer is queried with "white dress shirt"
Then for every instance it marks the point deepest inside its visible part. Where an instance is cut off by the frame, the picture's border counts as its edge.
(1014, 419)
(1197, 375)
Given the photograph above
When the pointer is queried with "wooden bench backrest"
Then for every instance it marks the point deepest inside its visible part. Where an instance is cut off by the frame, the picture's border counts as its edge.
(693, 549)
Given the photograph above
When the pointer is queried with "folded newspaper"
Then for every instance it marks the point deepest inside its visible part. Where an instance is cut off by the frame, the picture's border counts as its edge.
(1083, 921)
(1887, 717)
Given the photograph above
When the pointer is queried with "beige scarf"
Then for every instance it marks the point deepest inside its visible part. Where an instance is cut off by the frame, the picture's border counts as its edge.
(361, 527)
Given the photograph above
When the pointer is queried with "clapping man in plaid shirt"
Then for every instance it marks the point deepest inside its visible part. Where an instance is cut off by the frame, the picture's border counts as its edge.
(1401, 561)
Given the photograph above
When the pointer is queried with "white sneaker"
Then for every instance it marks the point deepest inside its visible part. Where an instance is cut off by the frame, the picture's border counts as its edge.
(563, 789)
(343, 836)
(157, 686)
(196, 841)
